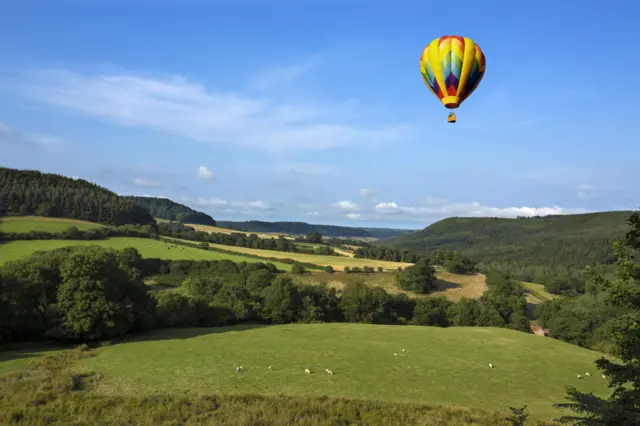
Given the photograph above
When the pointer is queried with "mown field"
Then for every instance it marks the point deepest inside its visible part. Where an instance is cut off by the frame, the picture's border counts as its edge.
(207, 228)
(146, 247)
(452, 286)
(44, 224)
(337, 262)
(433, 365)
(536, 293)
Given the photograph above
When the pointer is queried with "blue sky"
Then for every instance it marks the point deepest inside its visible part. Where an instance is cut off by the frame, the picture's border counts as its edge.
(316, 111)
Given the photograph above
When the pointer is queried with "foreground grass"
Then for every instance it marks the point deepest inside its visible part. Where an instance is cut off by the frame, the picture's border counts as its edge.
(52, 391)
(44, 224)
(146, 247)
(451, 286)
(438, 366)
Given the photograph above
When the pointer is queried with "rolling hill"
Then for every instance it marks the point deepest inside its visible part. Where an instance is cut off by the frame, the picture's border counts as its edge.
(302, 228)
(568, 241)
(30, 192)
(164, 208)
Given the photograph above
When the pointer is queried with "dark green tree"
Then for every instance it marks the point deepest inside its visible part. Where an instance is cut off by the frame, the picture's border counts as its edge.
(622, 407)
(420, 278)
(282, 300)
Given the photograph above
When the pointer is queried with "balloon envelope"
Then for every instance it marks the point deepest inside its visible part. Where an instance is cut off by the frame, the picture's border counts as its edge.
(452, 67)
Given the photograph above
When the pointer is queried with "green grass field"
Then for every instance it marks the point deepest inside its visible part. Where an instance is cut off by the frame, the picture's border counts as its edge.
(45, 224)
(438, 366)
(536, 293)
(146, 247)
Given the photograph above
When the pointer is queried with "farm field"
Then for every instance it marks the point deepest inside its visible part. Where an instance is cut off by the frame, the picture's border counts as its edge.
(451, 286)
(337, 262)
(438, 366)
(146, 247)
(536, 293)
(207, 228)
(44, 224)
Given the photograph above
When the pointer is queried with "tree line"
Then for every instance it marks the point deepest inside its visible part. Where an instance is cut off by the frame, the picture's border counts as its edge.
(452, 260)
(163, 208)
(93, 293)
(29, 192)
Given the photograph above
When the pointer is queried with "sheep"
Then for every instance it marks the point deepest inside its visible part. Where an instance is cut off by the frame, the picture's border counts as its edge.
(403, 350)
(270, 368)
(395, 354)
(490, 365)
(238, 369)
(329, 372)
(579, 376)
(306, 371)
(603, 377)
(587, 374)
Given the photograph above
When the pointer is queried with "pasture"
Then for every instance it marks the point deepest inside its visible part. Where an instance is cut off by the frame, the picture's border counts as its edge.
(438, 366)
(337, 262)
(216, 229)
(536, 293)
(43, 224)
(146, 247)
(451, 286)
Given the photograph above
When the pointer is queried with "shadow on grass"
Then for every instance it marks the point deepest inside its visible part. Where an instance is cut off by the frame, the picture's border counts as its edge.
(443, 285)
(186, 333)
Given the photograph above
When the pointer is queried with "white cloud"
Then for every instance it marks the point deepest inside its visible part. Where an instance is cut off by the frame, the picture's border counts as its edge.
(586, 191)
(473, 209)
(189, 109)
(313, 213)
(214, 202)
(353, 215)
(16, 137)
(146, 183)
(365, 192)
(282, 75)
(204, 172)
(348, 205)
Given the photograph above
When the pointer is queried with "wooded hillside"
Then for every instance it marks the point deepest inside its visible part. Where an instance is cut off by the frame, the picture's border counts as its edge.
(303, 228)
(164, 208)
(30, 192)
(550, 242)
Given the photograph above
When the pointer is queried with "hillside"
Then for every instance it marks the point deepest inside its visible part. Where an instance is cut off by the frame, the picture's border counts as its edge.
(302, 228)
(571, 241)
(164, 208)
(432, 365)
(30, 192)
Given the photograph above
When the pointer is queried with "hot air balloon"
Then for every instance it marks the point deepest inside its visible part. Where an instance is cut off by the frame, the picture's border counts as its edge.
(452, 67)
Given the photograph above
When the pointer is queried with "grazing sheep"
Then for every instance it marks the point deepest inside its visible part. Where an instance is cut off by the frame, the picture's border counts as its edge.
(270, 368)
(490, 365)
(403, 350)
(395, 354)
(579, 376)
(587, 374)
(603, 377)
(306, 371)
(239, 368)
(329, 372)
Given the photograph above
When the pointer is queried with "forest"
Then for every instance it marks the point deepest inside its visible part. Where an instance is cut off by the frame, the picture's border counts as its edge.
(302, 228)
(163, 208)
(30, 192)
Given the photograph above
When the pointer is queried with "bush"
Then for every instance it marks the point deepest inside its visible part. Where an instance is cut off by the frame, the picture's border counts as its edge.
(297, 268)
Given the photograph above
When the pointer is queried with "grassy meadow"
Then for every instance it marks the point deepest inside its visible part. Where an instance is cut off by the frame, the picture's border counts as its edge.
(536, 293)
(146, 247)
(216, 229)
(408, 364)
(44, 224)
(337, 262)
(451, 286)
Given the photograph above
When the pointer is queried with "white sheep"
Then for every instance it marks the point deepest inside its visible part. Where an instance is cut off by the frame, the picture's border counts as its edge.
(579, 376)
(270, 368)
(587, 374)
(403, 350)
(239, 368)
(395, 354)
(306, 371)
(603, 377)
(329, 372)
(490, 365)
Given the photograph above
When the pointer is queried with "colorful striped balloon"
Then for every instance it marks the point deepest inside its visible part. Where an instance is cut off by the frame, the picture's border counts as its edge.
(452, 67)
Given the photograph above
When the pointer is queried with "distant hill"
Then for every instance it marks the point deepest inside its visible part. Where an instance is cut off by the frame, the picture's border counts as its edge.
(30, 192)
(567, 241)
(302, 228)
(164, 208)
